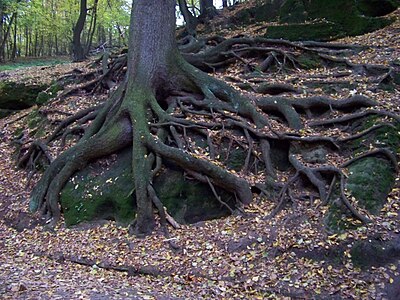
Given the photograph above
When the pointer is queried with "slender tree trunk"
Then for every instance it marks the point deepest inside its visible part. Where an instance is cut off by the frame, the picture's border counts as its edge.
(14, 48)
(35, 46)
(41, 48)
(26, 40)
(56, 45)
(207, 9)
(190, 20)
(92, 27)
(4, 42)
(121, 34)
(77, 49)
(224, 3)
(1, 34)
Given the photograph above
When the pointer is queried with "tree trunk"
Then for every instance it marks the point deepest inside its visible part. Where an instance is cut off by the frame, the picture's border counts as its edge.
(4, 42)
(152, 27)
(92, 27)
(14, 49)
(207, 9)
(77, 48)
(190, 20)
(1, 34)
(224, 3)
(156, 72)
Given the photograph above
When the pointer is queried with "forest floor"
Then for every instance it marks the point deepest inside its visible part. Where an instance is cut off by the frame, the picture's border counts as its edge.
(238, 257)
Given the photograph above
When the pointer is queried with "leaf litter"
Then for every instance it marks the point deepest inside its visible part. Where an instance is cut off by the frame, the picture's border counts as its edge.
(238, 257)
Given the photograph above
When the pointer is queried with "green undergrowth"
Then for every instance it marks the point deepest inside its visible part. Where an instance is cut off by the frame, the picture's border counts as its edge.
(33, 62)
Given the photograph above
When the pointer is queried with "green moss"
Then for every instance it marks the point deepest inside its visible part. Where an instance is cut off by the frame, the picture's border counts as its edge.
(385, 137)
(371, 178)
(320, 31)
(245, 86)
(396, 75)
(350, 23)
(50, 93)
(376, 8)
(338, 218)
(374, 252)
(235, 160)
(318, 19)
(15, 96)
(388, 137)
(33, 119)
(6, 112)
(18, 132)
(108, 195)
(187, 200)
(309, 61)
(370, 181)
(100, 192)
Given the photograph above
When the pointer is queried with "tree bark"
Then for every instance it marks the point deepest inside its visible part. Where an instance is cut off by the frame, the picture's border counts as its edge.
(207, 9)
(152, 49)
(92, 27)
(14, 49)
(152, 45)
(6, 36)
(1, 34)
(190, 20)
(77, 48)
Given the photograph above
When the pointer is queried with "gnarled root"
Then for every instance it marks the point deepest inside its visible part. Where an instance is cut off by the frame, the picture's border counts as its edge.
(159, 124)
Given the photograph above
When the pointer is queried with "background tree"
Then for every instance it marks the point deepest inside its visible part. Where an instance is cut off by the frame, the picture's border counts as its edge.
(45, 27)
(92, 27)
(190, 19)
(77, 48)
(207, 9)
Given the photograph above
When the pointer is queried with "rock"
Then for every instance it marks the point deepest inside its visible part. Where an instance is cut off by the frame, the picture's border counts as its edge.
(370, 181)
(17, 96)
(106, 191)
(373, 252)
(317, 19)
(317, 155)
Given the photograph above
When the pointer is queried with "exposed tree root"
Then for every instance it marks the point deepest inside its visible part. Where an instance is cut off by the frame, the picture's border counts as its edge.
(358, 115)
(381, 151)
(161, 122)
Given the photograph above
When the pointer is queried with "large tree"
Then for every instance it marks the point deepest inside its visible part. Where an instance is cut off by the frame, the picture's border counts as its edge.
(77, 48)
(156, 71)
(164, 102)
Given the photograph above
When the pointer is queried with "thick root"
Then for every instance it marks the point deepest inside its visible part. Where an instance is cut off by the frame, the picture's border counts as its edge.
(45, 195)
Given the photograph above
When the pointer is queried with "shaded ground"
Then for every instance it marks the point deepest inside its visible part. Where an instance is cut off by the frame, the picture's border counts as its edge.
(246, 257)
